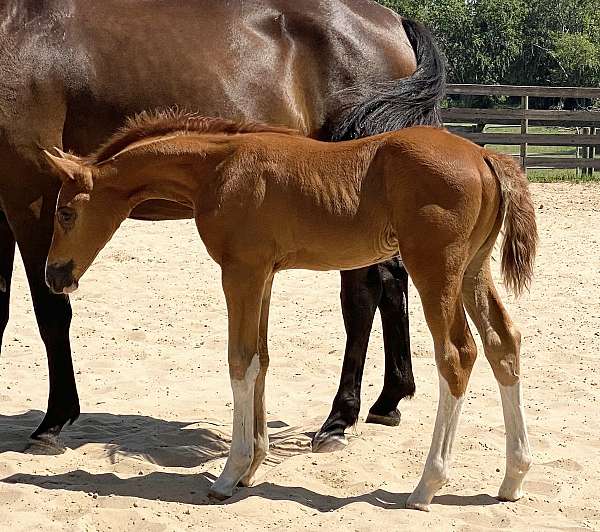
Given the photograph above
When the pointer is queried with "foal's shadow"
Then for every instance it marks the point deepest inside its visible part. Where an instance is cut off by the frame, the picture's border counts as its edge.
(193, 489)
(182, 444)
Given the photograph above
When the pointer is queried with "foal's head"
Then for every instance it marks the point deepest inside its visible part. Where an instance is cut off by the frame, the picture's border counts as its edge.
(88, 212)
(94, 199)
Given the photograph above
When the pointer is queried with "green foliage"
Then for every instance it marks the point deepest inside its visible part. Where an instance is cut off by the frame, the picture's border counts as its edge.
(578, 59)
(514, 41)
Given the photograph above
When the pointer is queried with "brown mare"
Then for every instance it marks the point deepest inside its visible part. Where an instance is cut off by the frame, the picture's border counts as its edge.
(266, 200)
(72, 70)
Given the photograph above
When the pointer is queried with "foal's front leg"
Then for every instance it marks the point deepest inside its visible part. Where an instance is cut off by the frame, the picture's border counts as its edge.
(261, 435)
(243, 293)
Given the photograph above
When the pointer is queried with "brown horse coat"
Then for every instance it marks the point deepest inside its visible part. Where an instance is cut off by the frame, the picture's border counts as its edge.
(266, 200)
(332, 68)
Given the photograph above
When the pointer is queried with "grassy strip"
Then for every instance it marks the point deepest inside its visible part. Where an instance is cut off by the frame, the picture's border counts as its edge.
(560, 176)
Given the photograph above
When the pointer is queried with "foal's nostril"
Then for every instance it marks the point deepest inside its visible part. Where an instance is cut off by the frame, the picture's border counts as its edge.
(59, 276)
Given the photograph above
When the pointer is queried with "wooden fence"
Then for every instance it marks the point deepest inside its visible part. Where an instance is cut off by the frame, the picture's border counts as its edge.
(586, 140)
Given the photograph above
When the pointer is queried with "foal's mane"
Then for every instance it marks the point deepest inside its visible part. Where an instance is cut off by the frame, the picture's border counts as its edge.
(175, 121)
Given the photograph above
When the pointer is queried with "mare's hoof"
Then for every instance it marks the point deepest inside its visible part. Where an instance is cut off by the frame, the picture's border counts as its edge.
(328, 443)
(46, 441)
(45, 445)
(55, 419)
(391, 419)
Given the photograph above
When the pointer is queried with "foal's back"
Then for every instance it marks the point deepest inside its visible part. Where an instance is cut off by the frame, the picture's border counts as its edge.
(320, 202)
(340, 206)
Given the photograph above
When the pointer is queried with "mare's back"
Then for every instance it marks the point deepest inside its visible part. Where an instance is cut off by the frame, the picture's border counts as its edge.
(232, 59)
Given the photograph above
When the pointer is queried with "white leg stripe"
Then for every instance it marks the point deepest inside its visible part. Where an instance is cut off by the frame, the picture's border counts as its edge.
(435, 472)
(518, 455)
(242, 440)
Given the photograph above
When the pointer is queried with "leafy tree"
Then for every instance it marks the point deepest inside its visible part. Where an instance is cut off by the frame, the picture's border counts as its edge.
(535, 42)
(577, 58)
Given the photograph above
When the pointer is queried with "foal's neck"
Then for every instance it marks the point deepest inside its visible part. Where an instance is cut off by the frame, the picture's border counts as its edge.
(174, 168)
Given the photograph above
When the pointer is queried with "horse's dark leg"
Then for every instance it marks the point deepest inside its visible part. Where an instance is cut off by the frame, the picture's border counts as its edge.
(7, 254)
(398, 381)
(360, 294)
(33, 232)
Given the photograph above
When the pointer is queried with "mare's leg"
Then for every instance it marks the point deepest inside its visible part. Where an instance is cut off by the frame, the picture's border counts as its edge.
(360, 294)
(244, 288)
(502, 343)
(32, 227)
(7, 254)
(261, 435)
(438, 278)
(398, 380)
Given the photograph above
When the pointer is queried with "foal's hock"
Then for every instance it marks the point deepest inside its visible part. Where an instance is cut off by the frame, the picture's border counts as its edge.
(266, 200)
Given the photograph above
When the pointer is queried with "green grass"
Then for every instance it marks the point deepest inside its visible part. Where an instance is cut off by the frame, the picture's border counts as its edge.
(539, 175)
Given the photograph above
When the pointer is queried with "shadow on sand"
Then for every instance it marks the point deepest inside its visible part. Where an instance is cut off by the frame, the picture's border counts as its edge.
(193, 489)
(161, 442)
(182, 444)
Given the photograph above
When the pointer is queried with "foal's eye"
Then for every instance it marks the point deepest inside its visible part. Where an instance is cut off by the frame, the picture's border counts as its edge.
(66, 216)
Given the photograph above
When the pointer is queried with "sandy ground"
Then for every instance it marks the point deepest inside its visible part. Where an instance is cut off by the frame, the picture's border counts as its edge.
(149, 343)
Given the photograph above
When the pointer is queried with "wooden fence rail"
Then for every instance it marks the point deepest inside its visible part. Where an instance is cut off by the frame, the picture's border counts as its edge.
(587, 141)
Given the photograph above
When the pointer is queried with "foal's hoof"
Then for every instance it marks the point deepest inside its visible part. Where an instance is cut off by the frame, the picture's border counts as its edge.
(509, 495)
(222, 488)
(392, 419)
(422, 507)
(328, 443)
(246, 481)
(219, 494)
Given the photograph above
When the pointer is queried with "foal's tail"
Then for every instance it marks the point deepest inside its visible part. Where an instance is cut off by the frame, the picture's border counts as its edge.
(381, 106)
(520, 229)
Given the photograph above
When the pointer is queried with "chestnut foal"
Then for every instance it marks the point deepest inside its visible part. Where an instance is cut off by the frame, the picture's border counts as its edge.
(266, 199)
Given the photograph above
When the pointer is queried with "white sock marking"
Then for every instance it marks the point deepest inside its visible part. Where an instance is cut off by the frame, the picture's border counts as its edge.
(518, 455)
(435, 472)
(242, 440)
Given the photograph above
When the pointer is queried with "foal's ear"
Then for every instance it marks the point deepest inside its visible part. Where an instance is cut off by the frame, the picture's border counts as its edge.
(65, 155)
(67, 167)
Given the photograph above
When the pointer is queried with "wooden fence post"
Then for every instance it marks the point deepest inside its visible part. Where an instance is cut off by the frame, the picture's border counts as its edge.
(586, 152)
(524, 128)
(593, 149)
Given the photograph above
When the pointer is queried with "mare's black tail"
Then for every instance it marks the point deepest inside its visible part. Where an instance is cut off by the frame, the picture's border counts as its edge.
(383, 106)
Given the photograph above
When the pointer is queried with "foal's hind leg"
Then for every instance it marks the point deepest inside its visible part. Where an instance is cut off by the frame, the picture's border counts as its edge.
(7, 254)
(502, 342)
(261, 436)
(438, 280)
(243, 287)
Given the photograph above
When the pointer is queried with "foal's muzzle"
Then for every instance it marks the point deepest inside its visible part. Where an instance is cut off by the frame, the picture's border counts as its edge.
(60, 279)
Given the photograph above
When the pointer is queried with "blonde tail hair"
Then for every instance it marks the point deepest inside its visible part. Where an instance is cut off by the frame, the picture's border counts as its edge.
(520, 229)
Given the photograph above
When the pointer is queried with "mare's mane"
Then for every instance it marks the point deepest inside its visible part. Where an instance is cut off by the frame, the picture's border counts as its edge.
(174, 121)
